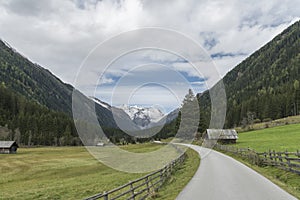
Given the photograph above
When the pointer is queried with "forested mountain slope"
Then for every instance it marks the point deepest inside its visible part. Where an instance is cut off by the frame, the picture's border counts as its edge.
(33, 124)
(35, 83)
(265, 85)
(32, 81)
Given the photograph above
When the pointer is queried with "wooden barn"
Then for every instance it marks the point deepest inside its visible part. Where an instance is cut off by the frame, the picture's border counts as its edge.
(8, 147)
(223, 136)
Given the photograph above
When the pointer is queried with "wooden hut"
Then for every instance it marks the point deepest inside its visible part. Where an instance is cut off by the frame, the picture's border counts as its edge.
(223, 136)
(100, 144)
(8, 147)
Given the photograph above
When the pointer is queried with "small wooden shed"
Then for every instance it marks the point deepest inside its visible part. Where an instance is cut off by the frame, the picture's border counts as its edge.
(8, 147)
(100, 144)
(223, 136)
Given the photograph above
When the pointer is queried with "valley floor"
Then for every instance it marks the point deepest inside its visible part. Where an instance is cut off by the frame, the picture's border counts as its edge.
(57, 173)
(70, 173)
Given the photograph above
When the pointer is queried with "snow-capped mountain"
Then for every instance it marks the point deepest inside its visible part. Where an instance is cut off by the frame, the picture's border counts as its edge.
(136, 117)
(120, 117)
(143, 116)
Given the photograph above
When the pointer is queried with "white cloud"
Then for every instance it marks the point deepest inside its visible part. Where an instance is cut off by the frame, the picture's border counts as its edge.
(59, 34)
(145, 96)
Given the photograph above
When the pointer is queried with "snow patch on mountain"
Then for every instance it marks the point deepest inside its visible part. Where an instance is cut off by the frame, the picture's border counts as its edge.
(139, 117)
(101, 103)
(143, 116)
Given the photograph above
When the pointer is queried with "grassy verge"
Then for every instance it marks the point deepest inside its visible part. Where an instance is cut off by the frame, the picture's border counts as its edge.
(179, 178)
(288, 181)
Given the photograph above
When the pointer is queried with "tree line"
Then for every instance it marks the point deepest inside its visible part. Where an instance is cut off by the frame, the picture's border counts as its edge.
(33, 124)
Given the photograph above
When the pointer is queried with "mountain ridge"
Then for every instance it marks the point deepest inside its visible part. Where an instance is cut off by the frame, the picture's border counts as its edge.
(144, 117)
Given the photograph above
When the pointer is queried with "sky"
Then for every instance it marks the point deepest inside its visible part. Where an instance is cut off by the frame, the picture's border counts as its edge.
(144, 52)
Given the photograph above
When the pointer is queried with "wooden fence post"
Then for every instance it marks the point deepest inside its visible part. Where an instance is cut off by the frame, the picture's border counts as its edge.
(280, 159)
(147, 184)
(105, 195)
(161, 176)
(132, 190)
(270, 156)
(287, 159)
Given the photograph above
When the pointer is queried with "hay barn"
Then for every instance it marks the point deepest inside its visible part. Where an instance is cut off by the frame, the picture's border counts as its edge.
(8, 147)
(223, 136)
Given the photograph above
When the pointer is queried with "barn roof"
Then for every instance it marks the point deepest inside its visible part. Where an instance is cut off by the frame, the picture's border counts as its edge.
(6, 144)
(222, 134)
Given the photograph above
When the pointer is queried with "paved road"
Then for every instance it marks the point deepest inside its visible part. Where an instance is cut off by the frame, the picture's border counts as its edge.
(221, 177)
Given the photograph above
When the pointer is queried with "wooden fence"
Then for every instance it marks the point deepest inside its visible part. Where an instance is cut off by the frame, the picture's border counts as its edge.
(289, 161)
(141, 188)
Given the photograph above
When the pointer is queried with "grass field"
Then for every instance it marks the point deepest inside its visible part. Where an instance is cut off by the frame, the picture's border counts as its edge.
(59, 173)
(278, 138)
(56, 173)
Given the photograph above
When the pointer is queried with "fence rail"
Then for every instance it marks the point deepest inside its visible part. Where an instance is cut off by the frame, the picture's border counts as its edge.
(141, 188)
(289, 161)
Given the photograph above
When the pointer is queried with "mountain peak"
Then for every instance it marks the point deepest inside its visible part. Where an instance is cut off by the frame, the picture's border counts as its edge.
(143, 116)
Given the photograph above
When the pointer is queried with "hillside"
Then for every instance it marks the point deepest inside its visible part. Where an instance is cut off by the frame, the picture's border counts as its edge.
(37, 84)
(32, 81)
(265, 85)
(30, 123)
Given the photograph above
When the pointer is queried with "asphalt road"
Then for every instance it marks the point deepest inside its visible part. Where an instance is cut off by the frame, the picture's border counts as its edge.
(222, 177)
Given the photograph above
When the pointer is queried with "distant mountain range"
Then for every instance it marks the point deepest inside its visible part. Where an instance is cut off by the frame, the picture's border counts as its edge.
(138, 117)
(144, 117)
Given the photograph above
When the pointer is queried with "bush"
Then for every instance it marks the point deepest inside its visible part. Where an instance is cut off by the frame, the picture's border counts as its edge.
(267, 120)
(256, 121)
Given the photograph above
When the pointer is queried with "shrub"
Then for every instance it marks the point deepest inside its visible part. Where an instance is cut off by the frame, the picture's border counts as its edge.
(267, 120)
(256, 121)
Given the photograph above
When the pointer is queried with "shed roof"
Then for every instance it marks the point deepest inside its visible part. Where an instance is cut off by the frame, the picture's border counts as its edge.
(7, 144)
(222, 134)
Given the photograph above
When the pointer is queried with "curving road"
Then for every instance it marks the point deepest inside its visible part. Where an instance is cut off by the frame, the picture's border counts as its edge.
(221, 177)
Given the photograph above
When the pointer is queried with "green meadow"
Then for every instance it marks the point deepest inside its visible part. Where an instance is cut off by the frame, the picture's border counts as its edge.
(278, 138)
(62, 173)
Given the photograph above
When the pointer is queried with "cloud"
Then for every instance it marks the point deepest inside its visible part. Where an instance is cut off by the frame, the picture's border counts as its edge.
(148, 95)
(28, 8)
(59, 34)
(221, 55)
